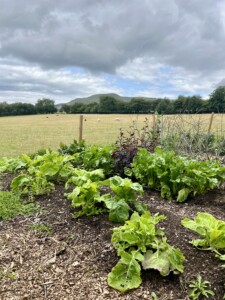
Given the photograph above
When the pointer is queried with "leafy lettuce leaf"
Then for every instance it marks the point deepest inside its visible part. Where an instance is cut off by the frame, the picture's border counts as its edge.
(126, 275)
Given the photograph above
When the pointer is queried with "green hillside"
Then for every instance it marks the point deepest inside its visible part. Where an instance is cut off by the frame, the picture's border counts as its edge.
(96, 98)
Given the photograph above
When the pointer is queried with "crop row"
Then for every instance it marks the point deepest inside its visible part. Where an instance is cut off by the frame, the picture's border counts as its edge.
(94, 188)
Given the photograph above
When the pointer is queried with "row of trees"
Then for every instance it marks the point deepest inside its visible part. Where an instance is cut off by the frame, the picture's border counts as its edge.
(189, 105)
(108, 105)
(43, 106)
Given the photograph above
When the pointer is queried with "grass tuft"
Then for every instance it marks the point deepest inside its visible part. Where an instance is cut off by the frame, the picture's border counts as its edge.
(12, 205)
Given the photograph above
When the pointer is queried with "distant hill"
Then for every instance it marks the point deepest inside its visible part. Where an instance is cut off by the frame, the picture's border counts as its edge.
(96, 98)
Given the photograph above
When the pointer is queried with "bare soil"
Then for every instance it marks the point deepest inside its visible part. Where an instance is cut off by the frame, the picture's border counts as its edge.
(72, 262)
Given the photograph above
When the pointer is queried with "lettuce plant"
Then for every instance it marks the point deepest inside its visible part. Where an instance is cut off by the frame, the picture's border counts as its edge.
(14, 165)
(211, 230)
(125, 196)
(52, 165)
(87, 194)
(36, 185)
(139, 243)
(80, 176)
(88, 198)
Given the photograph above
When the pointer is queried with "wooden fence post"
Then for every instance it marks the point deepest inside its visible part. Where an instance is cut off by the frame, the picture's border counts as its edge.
(81, 128)
(153, 122)
(210, 122)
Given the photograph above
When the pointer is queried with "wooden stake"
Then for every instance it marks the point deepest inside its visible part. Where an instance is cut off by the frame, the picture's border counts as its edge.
(210, 122)
(81, 128)
(153, 122)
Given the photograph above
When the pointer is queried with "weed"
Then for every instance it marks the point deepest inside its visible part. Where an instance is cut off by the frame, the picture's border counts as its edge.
(12, 205)
(43, 228)
(154, 296)
(11, 275)
(4, 274)
(199, 288)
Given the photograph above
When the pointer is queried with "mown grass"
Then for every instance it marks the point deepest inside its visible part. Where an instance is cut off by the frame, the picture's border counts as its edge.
(27, 134)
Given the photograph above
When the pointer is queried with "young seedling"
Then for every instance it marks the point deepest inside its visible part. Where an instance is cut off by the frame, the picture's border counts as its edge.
(154, 296)
(43, 228)
(199, 288)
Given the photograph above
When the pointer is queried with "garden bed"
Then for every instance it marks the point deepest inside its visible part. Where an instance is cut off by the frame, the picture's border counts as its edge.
(72, 260)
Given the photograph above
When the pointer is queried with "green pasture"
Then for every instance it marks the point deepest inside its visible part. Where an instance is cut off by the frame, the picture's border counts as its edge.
(27, 134)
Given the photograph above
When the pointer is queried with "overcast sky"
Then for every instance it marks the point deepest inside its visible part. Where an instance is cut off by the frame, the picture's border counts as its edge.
(75, 48)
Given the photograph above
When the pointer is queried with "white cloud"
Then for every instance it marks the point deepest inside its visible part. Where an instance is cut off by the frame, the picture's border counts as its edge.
(27, 83)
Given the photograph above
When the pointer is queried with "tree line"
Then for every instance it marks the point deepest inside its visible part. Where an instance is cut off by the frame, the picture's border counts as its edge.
(110, 105)
(182, 105)
(43, 106)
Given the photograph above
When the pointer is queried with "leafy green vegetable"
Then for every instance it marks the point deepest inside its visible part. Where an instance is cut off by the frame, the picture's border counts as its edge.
(53, 166)
(126, 275)
(124, 188)
(118, 209)
(87, 195)
(41, 172)
(74, 147)
(166, 259)
(212, 231)
(88, 198)
(175, 176)
(80, 176)
(138, 241)
(25, 184)
(95, 157)
(14, 164)
(126, 194)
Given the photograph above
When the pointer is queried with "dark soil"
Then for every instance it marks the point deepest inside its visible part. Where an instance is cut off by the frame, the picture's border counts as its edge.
(72, 262)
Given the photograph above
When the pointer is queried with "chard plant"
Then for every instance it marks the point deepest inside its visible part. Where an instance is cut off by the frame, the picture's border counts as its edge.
(175, 176)
(140, 244)
(95, 157)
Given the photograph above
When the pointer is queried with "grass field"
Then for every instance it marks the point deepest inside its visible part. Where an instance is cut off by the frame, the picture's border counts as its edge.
(26, 134)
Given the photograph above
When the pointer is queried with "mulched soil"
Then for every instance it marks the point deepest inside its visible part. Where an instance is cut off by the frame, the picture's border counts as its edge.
(73, 261)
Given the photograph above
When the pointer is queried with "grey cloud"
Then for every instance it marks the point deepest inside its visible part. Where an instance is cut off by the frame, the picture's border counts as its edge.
(30, 82)
(104, 35)
(221, 83)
